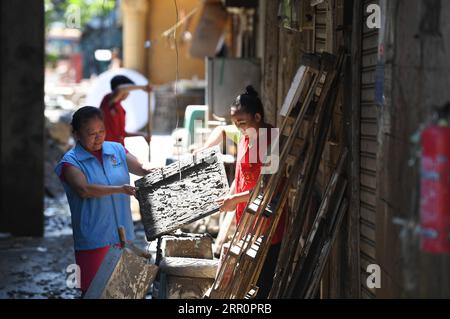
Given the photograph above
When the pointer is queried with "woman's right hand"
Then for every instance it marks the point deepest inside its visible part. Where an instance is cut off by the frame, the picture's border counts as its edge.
(227, 203)
(128, 190)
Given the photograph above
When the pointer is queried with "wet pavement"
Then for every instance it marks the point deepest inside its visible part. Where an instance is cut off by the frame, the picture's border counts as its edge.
(36, 268)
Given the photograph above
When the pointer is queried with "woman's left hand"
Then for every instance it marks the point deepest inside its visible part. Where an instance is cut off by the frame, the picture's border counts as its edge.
(227, 203)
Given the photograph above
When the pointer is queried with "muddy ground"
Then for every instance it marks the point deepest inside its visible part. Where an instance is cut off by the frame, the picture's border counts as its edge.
(36, 267)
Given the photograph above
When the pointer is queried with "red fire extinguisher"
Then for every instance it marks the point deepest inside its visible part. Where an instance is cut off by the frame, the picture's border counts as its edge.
(435, 188)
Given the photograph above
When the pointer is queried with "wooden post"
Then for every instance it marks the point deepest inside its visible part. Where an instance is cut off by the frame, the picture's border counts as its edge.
(22, 117)
(352, 111)
(134, 34)
(270, 62)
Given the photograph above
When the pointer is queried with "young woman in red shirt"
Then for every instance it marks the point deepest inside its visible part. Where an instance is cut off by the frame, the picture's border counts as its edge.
(247, 114)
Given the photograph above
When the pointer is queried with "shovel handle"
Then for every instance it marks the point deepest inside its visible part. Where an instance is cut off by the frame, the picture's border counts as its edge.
(122, 236)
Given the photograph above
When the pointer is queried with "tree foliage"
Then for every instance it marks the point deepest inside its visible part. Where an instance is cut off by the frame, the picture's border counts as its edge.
(64, 10)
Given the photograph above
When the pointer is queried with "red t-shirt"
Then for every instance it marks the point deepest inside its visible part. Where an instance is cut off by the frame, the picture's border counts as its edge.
(114, 119)
(246, 177)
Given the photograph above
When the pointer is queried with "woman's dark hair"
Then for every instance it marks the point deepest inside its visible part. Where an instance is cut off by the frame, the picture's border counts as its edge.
(83, 115)
(120, 80)
(248, 102)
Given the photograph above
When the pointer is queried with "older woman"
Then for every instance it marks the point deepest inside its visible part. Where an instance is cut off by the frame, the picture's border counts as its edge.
(95, 176)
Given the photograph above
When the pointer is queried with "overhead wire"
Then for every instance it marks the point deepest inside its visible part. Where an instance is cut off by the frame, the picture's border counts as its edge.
(176, 85)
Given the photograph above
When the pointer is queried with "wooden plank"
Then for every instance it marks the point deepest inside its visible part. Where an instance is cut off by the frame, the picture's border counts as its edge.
(369, 128)
(301, 205)
(266, 241)
(339, 275)
(353, 111)
(369, 145)
(370, 58)
(229, 259)
(368, 247)
(370, 42)
(368, 179)
(227, 228)
(227, 265)
(294, 92)
(368, 163)
(368, 93)
(187, 288)
(368, 230)
(320, 28)
(189, 267)
(325, 252)
(181, 193)
(368, 196)
(327, 211)
(368, 111)
(365, 262)
(122, 275)
(368, 213)
(188, 246)
(246, 265)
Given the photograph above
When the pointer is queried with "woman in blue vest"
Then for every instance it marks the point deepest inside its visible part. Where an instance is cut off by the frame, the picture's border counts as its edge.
(95, 176)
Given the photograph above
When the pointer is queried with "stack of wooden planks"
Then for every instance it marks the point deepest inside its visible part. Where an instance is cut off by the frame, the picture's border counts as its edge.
(307, 112)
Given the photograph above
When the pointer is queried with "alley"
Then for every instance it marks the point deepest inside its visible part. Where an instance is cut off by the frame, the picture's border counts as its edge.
(224, 149)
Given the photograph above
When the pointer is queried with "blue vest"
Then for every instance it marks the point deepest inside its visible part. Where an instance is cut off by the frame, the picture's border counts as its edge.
(95, 220)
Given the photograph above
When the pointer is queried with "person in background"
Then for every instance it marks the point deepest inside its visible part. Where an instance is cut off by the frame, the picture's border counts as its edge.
(113, 112)
(116, 62)
(247, 114)
(95, 177)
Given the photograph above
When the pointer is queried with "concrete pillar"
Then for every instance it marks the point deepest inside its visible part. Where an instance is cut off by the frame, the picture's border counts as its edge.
(135, 34)
(22, 116)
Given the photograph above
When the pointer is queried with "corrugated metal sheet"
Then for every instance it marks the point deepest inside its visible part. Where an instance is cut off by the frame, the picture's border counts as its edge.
(369, 146)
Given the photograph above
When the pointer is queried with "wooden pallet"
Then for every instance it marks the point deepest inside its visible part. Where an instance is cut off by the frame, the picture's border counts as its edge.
(181, 193)
(251, 242)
